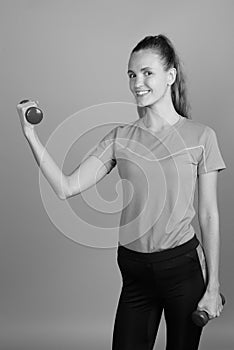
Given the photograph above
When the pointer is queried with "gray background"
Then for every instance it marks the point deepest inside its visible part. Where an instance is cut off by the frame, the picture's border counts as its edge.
(54, 292)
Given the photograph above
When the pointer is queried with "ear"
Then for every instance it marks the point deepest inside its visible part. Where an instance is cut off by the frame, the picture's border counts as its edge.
(171, 76)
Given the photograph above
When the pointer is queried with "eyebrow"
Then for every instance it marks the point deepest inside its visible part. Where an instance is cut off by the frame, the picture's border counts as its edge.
(144, 68)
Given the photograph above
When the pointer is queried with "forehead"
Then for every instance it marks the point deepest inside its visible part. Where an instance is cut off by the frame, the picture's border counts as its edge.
(144, 58)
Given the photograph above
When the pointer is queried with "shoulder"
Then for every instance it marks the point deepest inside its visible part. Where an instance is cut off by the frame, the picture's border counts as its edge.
(196, 130)
(195, 126)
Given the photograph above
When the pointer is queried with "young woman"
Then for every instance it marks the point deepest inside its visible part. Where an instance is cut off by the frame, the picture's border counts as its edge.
(162, 154)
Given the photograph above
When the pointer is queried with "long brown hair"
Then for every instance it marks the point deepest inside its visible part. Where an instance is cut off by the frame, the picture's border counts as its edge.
(166, 51)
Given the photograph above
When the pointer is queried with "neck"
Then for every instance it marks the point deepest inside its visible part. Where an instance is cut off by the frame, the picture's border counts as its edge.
(160, 113)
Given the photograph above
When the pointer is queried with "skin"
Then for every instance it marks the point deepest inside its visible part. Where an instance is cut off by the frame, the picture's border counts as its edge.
(158, 112)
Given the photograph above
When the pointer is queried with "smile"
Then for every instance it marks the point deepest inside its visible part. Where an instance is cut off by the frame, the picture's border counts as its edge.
(142, 93)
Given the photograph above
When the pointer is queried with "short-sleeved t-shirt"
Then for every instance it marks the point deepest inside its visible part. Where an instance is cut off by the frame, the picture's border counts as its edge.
(159, 171)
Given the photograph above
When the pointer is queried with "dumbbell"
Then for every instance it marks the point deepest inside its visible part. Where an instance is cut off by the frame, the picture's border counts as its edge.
(200, 318)
(33, 115)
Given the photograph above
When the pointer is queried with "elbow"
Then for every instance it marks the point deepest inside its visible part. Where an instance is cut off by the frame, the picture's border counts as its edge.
(62, 197)
(64, 194)
(209, 224)
(207, 215)
(208, 219)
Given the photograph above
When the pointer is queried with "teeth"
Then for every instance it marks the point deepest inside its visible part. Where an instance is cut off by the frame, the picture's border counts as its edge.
(142, 92)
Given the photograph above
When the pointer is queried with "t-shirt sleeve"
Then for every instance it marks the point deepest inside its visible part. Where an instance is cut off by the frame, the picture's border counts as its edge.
(211, 158)
(105, 150)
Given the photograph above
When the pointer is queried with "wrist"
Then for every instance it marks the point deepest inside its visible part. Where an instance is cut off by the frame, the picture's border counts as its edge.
(28, 132)
(213, 287)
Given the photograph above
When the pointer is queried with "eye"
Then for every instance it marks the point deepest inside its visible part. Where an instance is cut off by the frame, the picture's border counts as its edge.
(149, 72)
(130, 75)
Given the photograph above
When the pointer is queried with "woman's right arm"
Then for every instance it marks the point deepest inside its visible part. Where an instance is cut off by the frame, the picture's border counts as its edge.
(88, 173)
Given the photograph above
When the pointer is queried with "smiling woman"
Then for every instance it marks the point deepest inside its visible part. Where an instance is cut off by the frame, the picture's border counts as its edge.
(155, 70)
(161, 154)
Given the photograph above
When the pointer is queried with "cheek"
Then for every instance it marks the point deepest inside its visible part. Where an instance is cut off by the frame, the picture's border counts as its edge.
(131, 85)
(159, 86)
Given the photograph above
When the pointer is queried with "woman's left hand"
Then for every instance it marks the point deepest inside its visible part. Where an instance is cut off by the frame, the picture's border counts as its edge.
(211, 302)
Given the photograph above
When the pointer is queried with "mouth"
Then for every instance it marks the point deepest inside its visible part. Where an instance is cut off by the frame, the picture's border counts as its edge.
(142, 93)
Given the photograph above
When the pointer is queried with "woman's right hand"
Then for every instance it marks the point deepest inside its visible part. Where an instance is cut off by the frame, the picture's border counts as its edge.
(21, 109)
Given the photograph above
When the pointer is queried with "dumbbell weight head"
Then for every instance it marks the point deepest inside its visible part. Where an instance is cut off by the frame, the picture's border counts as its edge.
(33, 115)
(201, 318)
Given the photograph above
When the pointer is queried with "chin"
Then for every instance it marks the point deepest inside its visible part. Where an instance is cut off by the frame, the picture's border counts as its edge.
(143, 104)
(146, 103)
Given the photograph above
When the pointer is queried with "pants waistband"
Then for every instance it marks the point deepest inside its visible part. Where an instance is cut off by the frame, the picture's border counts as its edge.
(161, 255)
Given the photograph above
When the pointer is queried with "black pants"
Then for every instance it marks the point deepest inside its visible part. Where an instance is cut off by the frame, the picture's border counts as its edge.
(169, 281)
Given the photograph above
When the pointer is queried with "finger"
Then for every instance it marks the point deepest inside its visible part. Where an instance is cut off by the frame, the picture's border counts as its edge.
(200, 308)
(22, 103)
(27, 104)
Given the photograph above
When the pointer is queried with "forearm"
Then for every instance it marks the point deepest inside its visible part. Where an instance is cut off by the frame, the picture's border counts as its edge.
(49, 168)
(211, 245)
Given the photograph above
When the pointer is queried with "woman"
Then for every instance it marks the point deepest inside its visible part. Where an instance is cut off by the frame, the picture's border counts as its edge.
(163, 265)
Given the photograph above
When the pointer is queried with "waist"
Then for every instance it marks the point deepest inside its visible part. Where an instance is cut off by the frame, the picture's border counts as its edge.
(161, 255)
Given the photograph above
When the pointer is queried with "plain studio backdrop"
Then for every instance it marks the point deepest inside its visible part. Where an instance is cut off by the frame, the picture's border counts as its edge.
(60, 291)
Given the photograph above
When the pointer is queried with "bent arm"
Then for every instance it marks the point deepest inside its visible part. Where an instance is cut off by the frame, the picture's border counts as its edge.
(88, 173)
(49, 168)
(208, 216)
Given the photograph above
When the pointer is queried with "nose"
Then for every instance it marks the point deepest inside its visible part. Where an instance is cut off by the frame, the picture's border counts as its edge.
(138, 82)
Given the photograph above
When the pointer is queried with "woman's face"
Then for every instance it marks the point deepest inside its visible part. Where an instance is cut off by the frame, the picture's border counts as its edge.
(148, 81)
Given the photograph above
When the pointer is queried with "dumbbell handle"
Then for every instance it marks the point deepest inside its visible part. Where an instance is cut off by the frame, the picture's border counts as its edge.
(200, 318)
